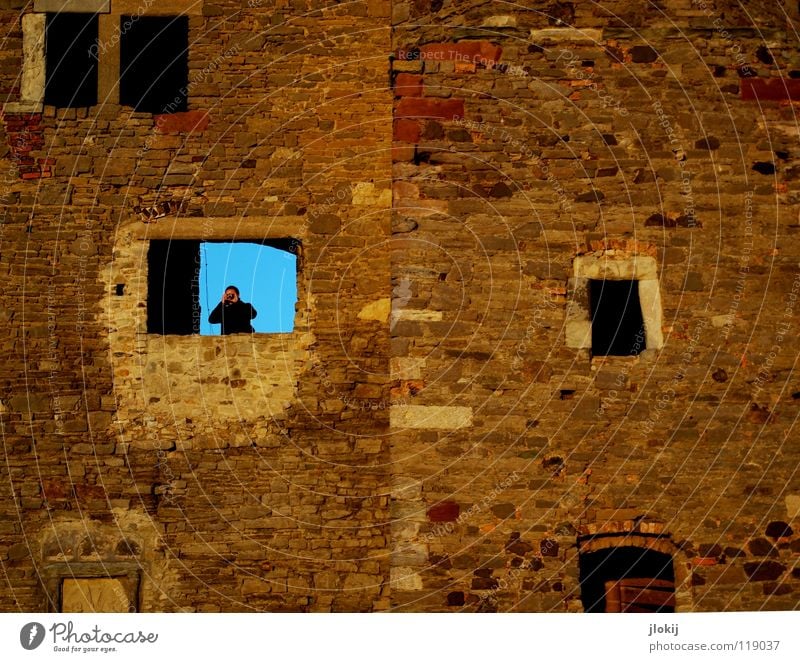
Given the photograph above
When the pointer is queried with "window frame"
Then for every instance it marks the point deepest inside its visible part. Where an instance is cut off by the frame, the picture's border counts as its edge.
(612, 266)
(292, 245)
(53, 577)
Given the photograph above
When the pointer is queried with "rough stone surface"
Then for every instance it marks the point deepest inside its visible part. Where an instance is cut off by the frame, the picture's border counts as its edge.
(442, 344)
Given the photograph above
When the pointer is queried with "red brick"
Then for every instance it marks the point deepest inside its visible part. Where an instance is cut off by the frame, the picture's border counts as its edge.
(407, 131)
(770, 89)
(402, 153)
(704, 561)
(56, 489)
(31, 175)
(444, 511)
(446, 109)
(192, 121)
(408, 85)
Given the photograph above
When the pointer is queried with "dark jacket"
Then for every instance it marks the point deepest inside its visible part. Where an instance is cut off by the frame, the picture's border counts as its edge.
(234, 317)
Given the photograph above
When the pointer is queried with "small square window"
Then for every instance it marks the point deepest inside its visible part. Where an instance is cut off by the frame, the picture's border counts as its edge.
(70, 60)
(187, 280)
(617, 322)
(627, 579)
(154, 68)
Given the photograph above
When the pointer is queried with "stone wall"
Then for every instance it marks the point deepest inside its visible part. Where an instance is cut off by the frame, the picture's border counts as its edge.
(526, 139)
(257, 464)
(435, 434)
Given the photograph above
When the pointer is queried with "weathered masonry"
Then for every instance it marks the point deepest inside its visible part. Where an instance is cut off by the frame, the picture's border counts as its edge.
(543, 351)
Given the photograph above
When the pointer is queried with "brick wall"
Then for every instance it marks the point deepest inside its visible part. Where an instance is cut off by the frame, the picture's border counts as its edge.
(427, 439)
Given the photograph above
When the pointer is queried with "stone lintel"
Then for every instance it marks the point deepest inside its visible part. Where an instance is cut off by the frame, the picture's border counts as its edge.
(73, 6)
(615, 268)
(234, 228)
(160, 8)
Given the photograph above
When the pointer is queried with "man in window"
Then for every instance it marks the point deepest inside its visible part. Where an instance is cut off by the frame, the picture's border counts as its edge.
(233, 313)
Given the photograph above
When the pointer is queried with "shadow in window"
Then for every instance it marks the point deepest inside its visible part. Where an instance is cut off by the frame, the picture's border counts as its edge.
(617, 323)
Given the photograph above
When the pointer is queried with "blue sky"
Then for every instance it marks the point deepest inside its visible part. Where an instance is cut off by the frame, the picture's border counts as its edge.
(266, 277)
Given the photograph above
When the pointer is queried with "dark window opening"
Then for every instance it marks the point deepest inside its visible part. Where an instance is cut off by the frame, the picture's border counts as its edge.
(173, 293)
(617, 322)
(627, 579)
(71, 60)
(154, 67)
(187, 279)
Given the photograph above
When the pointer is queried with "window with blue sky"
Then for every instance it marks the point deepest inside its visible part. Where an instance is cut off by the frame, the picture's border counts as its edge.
(181, 296)
(266, 278)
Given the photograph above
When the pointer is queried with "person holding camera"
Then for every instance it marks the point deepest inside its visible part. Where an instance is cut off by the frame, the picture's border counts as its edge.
(233, 313)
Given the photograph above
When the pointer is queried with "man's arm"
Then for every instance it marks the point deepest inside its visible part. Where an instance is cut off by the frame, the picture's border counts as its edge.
(253, 311)
(216, 315)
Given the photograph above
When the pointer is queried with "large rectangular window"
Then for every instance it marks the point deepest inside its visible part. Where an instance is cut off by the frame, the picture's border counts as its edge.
(188, 280)
(154, 67)
(70, 60)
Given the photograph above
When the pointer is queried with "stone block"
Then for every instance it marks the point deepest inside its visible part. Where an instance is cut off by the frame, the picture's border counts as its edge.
(793, 505)
(406, 130)
(408, 85)
(192, 121)
(444, 511)
(98, 595)
(405, 579)
(770, 89)
(430, 417)
(420, 107)
(77, 6)
(377, 311)
(33, 62)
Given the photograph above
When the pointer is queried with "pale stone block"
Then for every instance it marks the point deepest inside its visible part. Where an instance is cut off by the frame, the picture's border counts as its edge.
(721, 321)
(430, 417)
(406, 488)
(614, 268)
(100, 595)
(33, 66)
(650, 301)
(365, 194)
(793, 505)
(410, 554)
(579, 334)
(413, 315)
(499, 22)
(23, 107)
(74, 6)
(405, 367)
(572, 35)
(405, 579)
(160, 8)
(377, 311)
